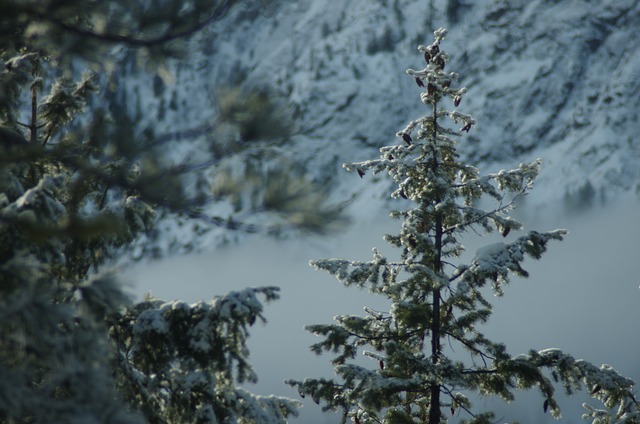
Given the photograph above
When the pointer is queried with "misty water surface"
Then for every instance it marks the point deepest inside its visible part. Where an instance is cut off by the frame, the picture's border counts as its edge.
(582, 297)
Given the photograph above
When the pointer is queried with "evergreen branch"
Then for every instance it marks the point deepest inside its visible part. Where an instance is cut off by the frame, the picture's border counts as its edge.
(484, 356)
(188, 133)
(126, 368)
(457, 275)
(490, 214)
(130, 39)
(404, 336)
(48, 136)
(228, 224)
(453, 397)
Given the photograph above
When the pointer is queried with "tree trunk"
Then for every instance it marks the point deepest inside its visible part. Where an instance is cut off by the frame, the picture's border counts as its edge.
(434, 405)
(33, 125)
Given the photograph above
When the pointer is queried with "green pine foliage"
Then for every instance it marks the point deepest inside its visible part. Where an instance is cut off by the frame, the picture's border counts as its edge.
(62, 215)
(181, 363)
(77, 187)
(71, 29)
(258, 174)
(436, 300)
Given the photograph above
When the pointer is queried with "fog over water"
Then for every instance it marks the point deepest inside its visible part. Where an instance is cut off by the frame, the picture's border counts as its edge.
(583, 297)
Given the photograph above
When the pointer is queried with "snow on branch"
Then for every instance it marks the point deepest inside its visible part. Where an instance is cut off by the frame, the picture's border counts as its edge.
(186, 359)
(495, 261)
(359, 273)
(603, 383)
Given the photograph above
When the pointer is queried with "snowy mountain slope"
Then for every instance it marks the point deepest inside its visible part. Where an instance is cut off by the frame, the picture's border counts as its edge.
(557, 80)
(561, 84)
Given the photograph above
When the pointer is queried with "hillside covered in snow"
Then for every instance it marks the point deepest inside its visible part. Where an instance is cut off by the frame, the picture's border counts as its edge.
(546, 79)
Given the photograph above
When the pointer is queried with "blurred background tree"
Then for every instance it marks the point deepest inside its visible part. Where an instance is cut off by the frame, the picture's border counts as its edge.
(79, 183)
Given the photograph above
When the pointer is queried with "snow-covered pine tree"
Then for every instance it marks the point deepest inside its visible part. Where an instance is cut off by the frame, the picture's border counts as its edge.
(60, 217)
(436, 300)
(77, 187)
(181, 363)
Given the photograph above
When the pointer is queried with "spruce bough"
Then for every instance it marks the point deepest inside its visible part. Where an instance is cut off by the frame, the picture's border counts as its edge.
(79, 185)
(436, 300)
